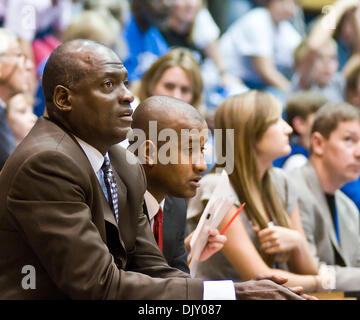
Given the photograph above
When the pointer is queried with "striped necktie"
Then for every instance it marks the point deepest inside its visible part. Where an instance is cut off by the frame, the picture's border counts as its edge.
(111, 186)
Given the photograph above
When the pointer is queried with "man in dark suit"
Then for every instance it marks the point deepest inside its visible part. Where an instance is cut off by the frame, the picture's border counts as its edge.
(168, 184)
(71, 213)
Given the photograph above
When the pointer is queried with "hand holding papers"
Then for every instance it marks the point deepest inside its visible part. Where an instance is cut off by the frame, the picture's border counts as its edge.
(219, 204)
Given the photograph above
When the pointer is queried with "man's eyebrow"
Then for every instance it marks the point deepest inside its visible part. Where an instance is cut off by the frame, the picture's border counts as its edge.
(349, 131)
(117, 64)
(116, 73)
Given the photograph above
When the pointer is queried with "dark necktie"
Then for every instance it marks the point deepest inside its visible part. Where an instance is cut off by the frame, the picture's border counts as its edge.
(158, 228)
(336, 225)
(111, 186)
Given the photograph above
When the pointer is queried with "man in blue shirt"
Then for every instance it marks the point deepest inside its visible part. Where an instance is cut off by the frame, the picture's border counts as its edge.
(144, 40)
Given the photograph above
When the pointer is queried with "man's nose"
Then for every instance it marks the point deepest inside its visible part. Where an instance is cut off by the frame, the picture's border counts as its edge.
(125, 95)
(200, 164)
(357, 151)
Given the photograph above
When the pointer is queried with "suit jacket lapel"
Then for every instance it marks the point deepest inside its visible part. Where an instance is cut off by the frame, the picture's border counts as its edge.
(346, 223)
(319, 194)
(105, 206)
(168, 229)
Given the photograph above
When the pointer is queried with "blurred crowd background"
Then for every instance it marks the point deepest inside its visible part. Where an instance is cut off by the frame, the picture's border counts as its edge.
(196, 50)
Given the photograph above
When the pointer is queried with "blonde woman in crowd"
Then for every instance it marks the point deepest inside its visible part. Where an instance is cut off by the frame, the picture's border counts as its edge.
(268, 238)
(175, 74)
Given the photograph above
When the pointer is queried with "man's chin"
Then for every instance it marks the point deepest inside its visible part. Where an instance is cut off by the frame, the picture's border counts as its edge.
(123, 134)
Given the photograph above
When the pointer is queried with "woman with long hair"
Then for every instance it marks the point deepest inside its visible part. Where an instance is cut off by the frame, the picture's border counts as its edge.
(175, 74)
(268, 237)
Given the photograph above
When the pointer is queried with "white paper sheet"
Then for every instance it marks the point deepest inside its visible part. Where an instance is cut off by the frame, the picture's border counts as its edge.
(218, 205)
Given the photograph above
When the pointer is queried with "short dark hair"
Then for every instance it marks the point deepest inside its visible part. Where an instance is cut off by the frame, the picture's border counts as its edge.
(62, 68)
(302, 104)
(331, 114)
(352, 80)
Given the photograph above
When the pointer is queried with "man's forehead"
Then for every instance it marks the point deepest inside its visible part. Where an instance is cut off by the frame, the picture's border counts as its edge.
(98, 56)
(348, 126)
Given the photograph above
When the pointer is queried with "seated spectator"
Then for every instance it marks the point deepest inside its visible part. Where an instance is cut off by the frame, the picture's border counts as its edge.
(352, 189)
(93, 25)
(258, 47)
(254, 246)
(316, 58)
(179, 30)
(297, 114)
(175, 74)
(142, 36)
(346, 36)
(300, 111)
(191, 25)
(117, 13)
(352, 91)
(7, 139)
(41, 20)
(169, 184)
(118, 9)
(331, 220)
(20, 115)
(15, 78)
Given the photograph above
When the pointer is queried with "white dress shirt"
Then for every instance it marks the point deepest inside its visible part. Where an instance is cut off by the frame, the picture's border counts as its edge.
(152, 206)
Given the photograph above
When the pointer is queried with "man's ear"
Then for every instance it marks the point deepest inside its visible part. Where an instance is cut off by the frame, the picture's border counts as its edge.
(147, 152)
(317, 143)
(61, 98)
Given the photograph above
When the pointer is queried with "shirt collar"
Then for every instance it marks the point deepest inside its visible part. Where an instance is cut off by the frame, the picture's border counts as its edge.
(95, 157)
(152, 205)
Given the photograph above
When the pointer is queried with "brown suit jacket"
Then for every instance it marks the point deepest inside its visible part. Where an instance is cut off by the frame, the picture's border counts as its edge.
(55, 217)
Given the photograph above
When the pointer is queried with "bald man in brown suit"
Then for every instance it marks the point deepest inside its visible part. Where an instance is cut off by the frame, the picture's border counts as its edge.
(82, 238)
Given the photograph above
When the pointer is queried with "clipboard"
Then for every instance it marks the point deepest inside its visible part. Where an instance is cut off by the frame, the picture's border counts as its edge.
(220, 202)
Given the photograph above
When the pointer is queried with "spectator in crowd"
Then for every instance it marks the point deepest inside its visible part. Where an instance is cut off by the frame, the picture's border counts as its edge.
(169, 184)
(316, 57)
(14, 78)
(116, 13)
(175, 74)
(346, 36)
(93, 25)
(118, 9)
(142, 36)
(7, 139)
(191, 25)
(38, 24)
(331, 220)
(98, 242)
(268, 238)
(352, 89)
(300, 112)
(20, 115)
(352, 92)
(258, 47)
